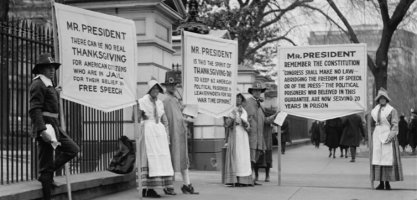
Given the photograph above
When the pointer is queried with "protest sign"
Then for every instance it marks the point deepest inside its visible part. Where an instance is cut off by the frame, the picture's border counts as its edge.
(210, 73)
(98, 56)
(322, 82)
(280, 118)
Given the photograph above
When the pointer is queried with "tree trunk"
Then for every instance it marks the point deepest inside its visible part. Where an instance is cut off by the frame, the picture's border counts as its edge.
(4, 9)
(243, 45)
(381, 59)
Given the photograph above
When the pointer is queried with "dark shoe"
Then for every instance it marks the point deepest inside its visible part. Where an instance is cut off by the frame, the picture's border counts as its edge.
(267, 179)
(334, 156)
(346, 156)
(255, 183)
(189, 189)
(380, 187)
(240, 185)
(169, 191)
(352, 160)
(387, 186)
(341, 155)
(330, 154)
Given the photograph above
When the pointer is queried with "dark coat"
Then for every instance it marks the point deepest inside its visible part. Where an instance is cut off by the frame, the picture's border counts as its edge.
(315, 131)
(43, 99)
(402, 132)
(353, 131)
(333, 128)
(258, 121)
(285, 132)
(412, 136)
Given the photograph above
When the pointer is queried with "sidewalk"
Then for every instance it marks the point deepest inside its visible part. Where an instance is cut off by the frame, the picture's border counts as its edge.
(307, 173)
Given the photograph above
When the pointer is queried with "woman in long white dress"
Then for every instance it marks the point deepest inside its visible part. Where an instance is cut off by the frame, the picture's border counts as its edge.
(156, 168)
(238, 170)
(386, 162)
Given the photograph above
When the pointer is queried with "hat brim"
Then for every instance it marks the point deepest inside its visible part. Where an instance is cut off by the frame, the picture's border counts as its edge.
(175, 83)
(159, 87)
(252, 89)
(37, 67)
(241, 96)
(382, 95)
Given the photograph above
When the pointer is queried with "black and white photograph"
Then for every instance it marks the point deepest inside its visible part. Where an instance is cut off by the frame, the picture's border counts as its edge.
(208, 99)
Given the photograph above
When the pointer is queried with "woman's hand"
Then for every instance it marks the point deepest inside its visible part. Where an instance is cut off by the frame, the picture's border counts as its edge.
(390, 137)
(46, 137)
(144, 116)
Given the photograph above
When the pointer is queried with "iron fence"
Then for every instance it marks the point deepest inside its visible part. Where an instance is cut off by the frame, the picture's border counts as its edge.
(96, 132)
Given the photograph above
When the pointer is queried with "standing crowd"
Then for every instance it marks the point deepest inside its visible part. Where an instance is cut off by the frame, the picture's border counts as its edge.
(162, 145)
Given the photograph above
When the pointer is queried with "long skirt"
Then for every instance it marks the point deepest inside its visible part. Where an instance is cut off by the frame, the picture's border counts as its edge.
(147, 181)
(237, 162)
(389, 173)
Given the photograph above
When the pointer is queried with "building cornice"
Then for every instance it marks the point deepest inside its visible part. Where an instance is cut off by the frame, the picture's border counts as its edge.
(156, 44)
(132, 5)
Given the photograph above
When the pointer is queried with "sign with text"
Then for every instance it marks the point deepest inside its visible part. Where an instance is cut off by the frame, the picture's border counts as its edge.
(97, 53)
(322, 82)
(210, 73)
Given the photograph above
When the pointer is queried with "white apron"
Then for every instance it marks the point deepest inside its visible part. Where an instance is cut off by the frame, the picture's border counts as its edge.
(243, 164)
(382, 153)
(156, 139)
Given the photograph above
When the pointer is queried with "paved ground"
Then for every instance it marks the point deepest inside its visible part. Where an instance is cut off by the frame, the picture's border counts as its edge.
(307, 173)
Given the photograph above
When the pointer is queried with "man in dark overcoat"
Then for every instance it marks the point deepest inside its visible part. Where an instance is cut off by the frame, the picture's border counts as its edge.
(285, 135)
(44, 114)
(353, 132)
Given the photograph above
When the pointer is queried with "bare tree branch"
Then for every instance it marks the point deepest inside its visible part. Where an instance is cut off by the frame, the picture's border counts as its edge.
(327, 17)
(284, 11)
(352, 34)
(262, 44)
(384, 11)
(400, 12)
(265, 42)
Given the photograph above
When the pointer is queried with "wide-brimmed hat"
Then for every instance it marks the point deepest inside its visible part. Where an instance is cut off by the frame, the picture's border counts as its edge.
(382, 93)
(257, 86)
(44, 60)
(172, 78)
(153, 82)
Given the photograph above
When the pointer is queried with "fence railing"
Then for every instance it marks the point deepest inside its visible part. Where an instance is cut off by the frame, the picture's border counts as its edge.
(96, 132)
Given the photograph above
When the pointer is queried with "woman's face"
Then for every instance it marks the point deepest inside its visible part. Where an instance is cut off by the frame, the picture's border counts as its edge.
(239, 100)
(49, 71)
(171, 88)
(382, 101)
(154, 91)
(256, 93)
